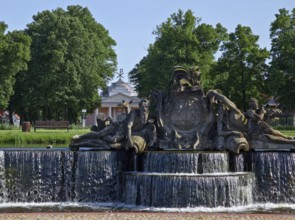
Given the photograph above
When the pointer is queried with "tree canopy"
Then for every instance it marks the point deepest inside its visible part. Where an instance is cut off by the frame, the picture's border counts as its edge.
(54, 68)
(181, 40)
(72, 57)
(241, 69)
(281, 77)
(14, 55)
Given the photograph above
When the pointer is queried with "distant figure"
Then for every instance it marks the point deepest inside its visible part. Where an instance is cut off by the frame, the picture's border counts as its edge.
(15, 119)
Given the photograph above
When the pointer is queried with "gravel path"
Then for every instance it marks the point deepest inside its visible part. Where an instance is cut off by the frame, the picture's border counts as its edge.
(141, 215)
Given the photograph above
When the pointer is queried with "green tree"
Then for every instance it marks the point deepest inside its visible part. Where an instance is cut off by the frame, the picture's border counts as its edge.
(14, 55)
(241, 69)
(181, 40)
(72, 57)
(282, 71)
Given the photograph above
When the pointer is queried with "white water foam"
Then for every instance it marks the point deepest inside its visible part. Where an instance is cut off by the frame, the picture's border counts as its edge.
(261, 208)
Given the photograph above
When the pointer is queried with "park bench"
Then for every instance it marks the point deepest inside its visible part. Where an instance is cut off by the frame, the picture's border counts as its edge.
(51, 125)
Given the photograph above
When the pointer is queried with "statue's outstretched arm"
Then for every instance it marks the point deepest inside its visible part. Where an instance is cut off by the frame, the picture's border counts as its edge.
(215, 96)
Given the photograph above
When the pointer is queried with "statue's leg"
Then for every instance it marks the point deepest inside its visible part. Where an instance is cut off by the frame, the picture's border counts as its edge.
(278, 139)
(81, 138)
(106, 130)
(114, 138)
(90, 135)
(100, 144)
(94, 135)
(279, 134)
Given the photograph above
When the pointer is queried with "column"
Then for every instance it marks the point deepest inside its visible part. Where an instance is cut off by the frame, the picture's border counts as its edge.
(110, 111)
(95, 116)
(115, 114)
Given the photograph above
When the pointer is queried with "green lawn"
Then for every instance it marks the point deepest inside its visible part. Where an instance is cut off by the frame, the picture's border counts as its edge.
(43, 137)
(289, 132)
(56, 138)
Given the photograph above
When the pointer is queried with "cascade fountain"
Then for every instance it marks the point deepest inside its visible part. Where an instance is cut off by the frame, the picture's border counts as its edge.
(163, 179)
(174, 179)
(59, 176)
(198, 150)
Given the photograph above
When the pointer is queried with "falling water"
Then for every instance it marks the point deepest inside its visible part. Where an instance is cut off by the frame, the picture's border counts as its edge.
(185, 162)
(240, 162)
(183, 190)
(163, 179)
(32, 176)
(3, 190)
(275, 176)
(59, 176)
(214, 162)
(97, 177)
(187, 179)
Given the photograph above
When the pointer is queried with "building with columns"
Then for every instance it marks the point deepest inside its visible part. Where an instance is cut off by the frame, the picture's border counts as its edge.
(111, 98)
(114, 95)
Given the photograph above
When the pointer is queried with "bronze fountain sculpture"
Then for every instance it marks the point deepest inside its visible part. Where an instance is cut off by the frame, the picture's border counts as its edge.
(187, 119)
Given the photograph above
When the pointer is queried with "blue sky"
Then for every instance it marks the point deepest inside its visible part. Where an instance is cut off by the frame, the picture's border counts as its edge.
(131, 22)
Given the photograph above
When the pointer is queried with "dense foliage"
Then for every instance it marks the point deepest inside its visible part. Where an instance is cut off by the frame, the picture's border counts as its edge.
(240, 71)
(54, 68)
(14, 55)
(181, 40)
(72, 57)
(282, 67)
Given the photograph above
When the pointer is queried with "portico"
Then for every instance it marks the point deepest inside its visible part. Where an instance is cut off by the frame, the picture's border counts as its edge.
(111, 98)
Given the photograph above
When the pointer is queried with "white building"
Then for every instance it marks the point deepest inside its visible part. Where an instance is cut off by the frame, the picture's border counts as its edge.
(110, 100)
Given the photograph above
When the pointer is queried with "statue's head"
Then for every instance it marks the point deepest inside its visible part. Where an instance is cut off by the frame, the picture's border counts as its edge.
(253, 103)
(144, 105)
(195, 74)
(144, 109)
(181, 76)
(126, 105)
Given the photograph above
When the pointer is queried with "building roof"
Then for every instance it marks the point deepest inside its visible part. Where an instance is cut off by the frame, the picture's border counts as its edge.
(118, 91)
(121, 87)
(117, 98)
